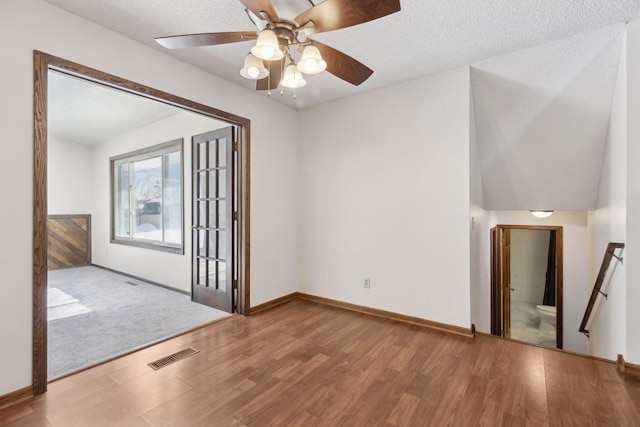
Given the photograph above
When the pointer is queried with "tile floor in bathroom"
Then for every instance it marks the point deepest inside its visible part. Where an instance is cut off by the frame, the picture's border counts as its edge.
(524, 325)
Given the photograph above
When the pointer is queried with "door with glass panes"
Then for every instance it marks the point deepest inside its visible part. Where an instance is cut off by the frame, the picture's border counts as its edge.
(213, 226)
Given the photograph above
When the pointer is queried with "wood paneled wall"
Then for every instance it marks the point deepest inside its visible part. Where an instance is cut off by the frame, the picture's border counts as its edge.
(69, 241)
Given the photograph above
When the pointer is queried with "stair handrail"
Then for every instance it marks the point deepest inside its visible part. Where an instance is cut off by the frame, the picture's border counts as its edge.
(606, 260)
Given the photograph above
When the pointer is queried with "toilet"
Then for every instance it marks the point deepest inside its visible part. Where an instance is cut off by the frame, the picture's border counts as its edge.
(547, 315)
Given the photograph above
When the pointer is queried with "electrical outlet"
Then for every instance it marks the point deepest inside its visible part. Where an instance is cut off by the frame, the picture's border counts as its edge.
(366, 283)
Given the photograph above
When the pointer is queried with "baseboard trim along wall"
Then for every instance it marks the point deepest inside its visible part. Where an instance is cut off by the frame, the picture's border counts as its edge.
(270, 304)
(171, 288)
(16, 397)
(625, 366)
(466, 332)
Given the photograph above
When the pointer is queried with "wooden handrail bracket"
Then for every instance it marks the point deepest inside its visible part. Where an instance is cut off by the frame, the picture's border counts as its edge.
(606, 260)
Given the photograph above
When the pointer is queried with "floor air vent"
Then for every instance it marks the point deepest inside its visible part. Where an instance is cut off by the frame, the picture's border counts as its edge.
(168, 360)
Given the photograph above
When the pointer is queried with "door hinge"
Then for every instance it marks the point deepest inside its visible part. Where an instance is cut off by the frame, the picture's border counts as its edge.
(235, 284)
(235, 146)
(235, 216)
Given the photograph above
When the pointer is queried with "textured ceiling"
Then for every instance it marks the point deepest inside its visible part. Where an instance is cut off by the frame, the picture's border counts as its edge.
(88, 113)
(543, 74)
(423, 38)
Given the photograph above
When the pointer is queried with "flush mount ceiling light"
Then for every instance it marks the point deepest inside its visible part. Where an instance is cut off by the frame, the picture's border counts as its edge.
(279, 40)
(541, 214)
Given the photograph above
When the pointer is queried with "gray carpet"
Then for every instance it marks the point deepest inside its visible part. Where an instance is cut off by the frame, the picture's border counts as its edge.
(95, 315)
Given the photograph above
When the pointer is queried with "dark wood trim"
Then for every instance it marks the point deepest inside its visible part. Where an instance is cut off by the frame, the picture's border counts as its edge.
(560, 350)
(495, 251)
(273, 303)
(496, 289)
(16, 397)
(559, 288)
(467, 332)
(624, 366)
(606, 260)
(244, 206)
(44, 62)
(40, 238)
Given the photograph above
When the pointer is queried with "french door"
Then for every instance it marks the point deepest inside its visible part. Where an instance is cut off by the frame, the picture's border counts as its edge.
(214, 219)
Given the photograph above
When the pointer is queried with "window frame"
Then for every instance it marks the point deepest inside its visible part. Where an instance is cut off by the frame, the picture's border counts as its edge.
(158, 150)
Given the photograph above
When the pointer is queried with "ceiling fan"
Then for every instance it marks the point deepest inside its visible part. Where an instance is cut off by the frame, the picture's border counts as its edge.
(278, 40)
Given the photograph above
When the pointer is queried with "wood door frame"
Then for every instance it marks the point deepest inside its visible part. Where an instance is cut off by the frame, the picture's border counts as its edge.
(44, 62)
(496, 288)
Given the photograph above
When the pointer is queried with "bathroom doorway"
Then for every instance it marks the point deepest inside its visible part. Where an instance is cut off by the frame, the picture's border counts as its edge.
(526, 284)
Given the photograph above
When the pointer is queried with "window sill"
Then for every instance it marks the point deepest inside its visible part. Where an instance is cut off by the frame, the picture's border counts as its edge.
(147, 245)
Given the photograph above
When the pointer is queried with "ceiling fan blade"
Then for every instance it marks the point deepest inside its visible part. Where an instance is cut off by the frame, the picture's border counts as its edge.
(275, 75)
(257, 6)
(334, 14)
(205, 39)
(342, 65)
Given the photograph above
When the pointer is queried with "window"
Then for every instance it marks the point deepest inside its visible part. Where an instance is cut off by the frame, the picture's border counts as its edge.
(146, 194)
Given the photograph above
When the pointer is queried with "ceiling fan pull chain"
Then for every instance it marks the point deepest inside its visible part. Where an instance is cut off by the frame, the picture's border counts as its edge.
(269, 80)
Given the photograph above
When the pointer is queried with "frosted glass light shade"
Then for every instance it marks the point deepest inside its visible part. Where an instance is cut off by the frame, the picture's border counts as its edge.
(311, 61)
(267, 47)
(253, 68)
(541, 214)
(292, 77)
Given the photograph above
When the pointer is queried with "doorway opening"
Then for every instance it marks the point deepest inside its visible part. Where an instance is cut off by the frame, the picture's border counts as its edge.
(526, 284)
(43, 64)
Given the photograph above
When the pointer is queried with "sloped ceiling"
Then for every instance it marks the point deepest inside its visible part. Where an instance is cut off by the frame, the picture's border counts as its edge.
(542, 117)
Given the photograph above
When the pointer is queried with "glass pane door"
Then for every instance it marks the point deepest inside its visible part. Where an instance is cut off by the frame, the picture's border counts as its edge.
(213, 224)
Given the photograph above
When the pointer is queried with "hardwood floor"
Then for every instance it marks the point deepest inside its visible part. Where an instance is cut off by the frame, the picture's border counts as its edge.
(304, 363)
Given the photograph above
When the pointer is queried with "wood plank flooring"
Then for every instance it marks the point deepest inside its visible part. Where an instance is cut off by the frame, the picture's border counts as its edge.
(304, 363)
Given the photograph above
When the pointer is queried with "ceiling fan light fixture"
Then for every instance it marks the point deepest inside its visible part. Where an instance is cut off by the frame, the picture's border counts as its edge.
(253, 68)
(311, 61)
(267, 47)
(292, 77)
(541, 214)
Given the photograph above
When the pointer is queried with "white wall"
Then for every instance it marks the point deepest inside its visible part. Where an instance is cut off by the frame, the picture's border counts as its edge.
(273, 156)
(632, 250)
(529, 258)
(576, 289)
(169, 269)
(608, 223)
(69, 178)
(480, 238)
(384, 193)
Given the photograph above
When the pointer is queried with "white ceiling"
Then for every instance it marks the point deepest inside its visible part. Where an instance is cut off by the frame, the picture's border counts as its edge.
(543, 74)
(88, 113)
(542, 118)
(423, 38)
